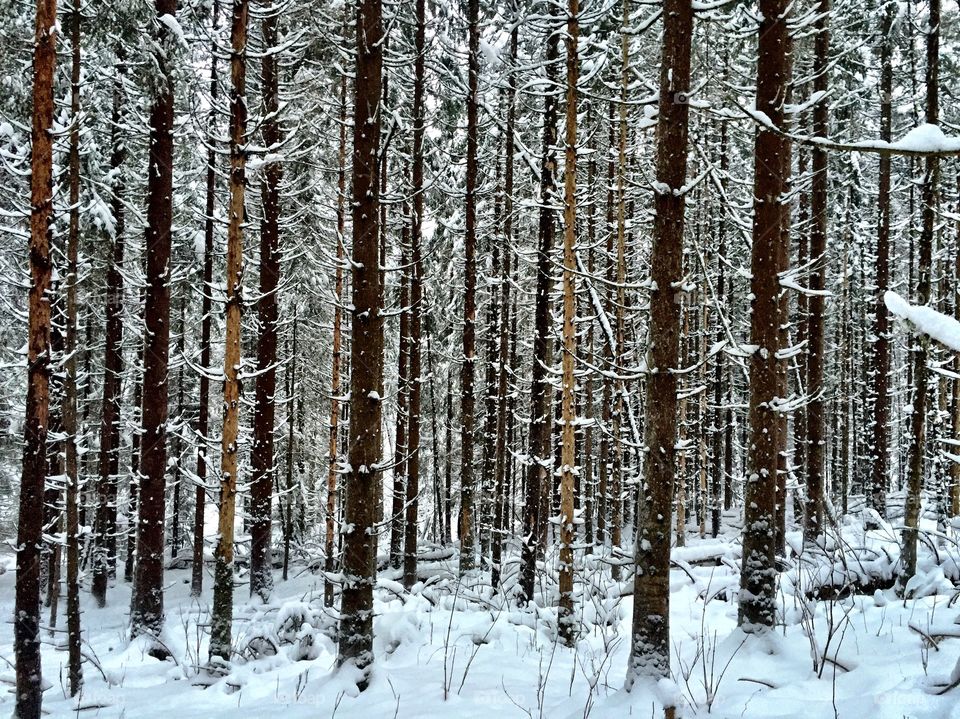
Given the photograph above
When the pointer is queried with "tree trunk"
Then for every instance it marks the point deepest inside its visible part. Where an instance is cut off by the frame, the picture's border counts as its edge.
(222, 615)
(468, 370)
(113, 355)
(539, 472)
(70, 424)
(146, 612)
(813, 511)
(758, 578)
(416, 305)
(366, 352)
(203, 420)
(650, 646)
(566, 621)
(399, 463)
(261, 488)
(26, 625)
(331, 506)
(921, 346)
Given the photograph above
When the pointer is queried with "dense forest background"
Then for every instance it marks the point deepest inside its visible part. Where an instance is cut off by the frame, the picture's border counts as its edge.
(540, 289)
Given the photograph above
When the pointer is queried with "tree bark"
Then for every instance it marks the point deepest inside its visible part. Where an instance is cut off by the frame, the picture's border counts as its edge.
(411, 527)
(206, 308)
(816, 438)
(26, 626)
(468, 369)
(261, 488)
(146, 613)
(921, 346)
(539, 468)
(70, 423)
(758, 577)
(650, 647)
(222, 614)
(566, 621)
(336, 358)
(366, 352)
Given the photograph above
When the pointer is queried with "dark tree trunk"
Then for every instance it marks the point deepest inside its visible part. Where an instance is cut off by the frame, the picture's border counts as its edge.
(113, 355)
(539, 472)
(416, 305)
(758, 577)
(650, 648)
(877, 495)
(921, 344)
(468, 370)
(813, 512)
(366, 351)
(261, 489)
(146, 612)
(203, 420)
(70, 423)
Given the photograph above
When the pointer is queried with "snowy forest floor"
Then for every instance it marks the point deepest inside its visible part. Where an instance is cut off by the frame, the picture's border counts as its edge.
(451, 648)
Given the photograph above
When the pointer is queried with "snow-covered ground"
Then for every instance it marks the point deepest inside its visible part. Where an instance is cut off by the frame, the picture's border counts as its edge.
(452, 650)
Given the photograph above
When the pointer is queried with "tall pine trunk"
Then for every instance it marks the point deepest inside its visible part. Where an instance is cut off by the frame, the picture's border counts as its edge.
(816, 435)
(758, 577)
(146, 612)
(26, 626)
(650, 648)
(222, 615)
(366, 352)
(539, 474)
(70, 423)
(877, 495)
(411, 526)
(203, 410)
(261, 488)
(921, 343)
(113, 355)
(565, 619)
(468, 370)
(331, 505)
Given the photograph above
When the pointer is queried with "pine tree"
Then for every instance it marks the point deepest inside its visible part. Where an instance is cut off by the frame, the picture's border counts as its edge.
(650, 648)
(366, 351)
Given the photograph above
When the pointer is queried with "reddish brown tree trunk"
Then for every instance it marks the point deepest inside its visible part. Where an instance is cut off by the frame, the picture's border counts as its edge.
(650, 649)
(366, 351)
(566, 621)
(758, 577)
(26, 626)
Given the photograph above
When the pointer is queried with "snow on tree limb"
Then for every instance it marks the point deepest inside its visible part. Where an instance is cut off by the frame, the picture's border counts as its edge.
(941, 327)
